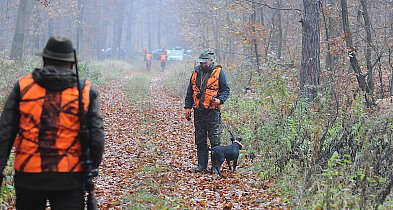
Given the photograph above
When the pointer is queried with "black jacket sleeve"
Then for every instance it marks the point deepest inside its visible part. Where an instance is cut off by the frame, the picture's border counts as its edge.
(96, 128)
(223, 87)
(189, 100)
(9, 125)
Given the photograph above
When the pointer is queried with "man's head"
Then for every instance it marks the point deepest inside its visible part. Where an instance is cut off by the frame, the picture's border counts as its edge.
(206, 59)
(58, 51)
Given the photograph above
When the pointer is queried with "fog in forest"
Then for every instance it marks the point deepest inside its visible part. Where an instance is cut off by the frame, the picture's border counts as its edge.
(122, 29)
(311, 86)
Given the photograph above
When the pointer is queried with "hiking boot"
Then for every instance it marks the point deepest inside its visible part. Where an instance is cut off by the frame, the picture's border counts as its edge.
(200, 168)
(203, 156)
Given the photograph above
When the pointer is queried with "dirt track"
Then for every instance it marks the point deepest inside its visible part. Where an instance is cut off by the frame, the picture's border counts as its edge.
(150, 155)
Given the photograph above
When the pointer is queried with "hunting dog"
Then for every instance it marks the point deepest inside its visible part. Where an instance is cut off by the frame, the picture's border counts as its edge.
(228, 153)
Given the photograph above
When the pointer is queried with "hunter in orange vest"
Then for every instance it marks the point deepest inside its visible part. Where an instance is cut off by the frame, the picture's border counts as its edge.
(207, 91)
(163, 60)
(40, 118)
(148, 60)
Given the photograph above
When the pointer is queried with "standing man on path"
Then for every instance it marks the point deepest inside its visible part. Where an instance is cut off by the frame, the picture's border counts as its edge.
(163, 60)
(207, 91)
(41, 120)
(148, 60)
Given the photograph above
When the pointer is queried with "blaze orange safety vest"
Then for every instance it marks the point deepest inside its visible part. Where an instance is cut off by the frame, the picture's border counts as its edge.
(47, 140)
(148, 56)
(163, 58)
(211, 90)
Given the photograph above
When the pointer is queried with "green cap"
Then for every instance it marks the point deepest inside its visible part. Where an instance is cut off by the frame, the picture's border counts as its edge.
(205, 56)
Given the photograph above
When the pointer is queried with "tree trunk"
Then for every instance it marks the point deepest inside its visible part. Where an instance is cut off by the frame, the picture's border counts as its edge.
(367, 25)
(331, 32)
(262, 23)
(268, 40)
(128, 44)
(37, 30)
(101, 30)
(255, 42)
(310, 71)
(391, 74)
(149, 29)
(118, 29)
(79, 30)
(159, 25)
(277, 33)
(216, 36)
(22, 21)
(351, 50)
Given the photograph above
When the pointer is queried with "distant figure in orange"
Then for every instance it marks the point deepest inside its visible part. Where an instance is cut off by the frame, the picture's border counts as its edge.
(148, 60)
(163, 61)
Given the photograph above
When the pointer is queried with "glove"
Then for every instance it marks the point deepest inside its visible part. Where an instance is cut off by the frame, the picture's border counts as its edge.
(216, 101)
(188, 114)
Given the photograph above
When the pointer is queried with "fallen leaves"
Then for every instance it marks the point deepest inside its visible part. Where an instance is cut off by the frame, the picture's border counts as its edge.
(150, 156)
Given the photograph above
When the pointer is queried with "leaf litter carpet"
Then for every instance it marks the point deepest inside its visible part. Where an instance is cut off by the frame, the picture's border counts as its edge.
(150, 155)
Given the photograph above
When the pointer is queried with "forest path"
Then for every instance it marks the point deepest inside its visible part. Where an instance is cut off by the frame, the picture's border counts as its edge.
(150, 155)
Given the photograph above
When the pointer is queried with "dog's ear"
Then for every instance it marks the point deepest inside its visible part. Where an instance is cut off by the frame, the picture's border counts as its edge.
(233, 139)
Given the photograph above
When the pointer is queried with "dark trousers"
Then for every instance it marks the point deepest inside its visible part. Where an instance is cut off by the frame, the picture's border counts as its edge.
(207, 125)
(59, 200)
(163, 66)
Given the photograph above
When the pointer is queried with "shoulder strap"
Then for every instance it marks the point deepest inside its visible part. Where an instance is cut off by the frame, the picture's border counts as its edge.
(82, 83)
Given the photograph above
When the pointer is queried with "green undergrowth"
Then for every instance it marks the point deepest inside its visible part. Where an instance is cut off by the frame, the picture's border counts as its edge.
(322, 154)
(10, 72)
(106, 71)
(137, 88)
(177, 76)
(141, 199)
(7, 189)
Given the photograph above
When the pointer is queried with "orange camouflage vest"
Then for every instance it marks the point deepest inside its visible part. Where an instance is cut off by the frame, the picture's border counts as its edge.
(211, 90)
(47, 140)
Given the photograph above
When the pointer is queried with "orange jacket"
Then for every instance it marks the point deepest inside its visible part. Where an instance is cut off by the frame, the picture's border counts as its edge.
(211, 90)
(163, 58)
(47, 140)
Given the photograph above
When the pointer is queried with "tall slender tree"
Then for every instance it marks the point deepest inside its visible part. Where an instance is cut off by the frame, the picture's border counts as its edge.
(277, 30)
(369, 44)
(352, 54)
(310, 71)
(79, 30)
(23, 20)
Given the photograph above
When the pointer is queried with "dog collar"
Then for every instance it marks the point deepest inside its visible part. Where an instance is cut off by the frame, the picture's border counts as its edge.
(238, 142)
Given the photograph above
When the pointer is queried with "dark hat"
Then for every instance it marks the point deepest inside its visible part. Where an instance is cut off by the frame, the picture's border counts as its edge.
(205, 56)
(58, 48)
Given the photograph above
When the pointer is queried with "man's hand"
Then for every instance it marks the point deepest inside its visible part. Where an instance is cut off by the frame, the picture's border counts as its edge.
(216, 101)
(188, 114)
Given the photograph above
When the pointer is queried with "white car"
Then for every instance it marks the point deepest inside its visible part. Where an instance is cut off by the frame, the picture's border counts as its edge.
(175, 55)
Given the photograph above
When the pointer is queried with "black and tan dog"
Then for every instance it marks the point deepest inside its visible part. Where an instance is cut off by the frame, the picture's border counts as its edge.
(228, 153)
